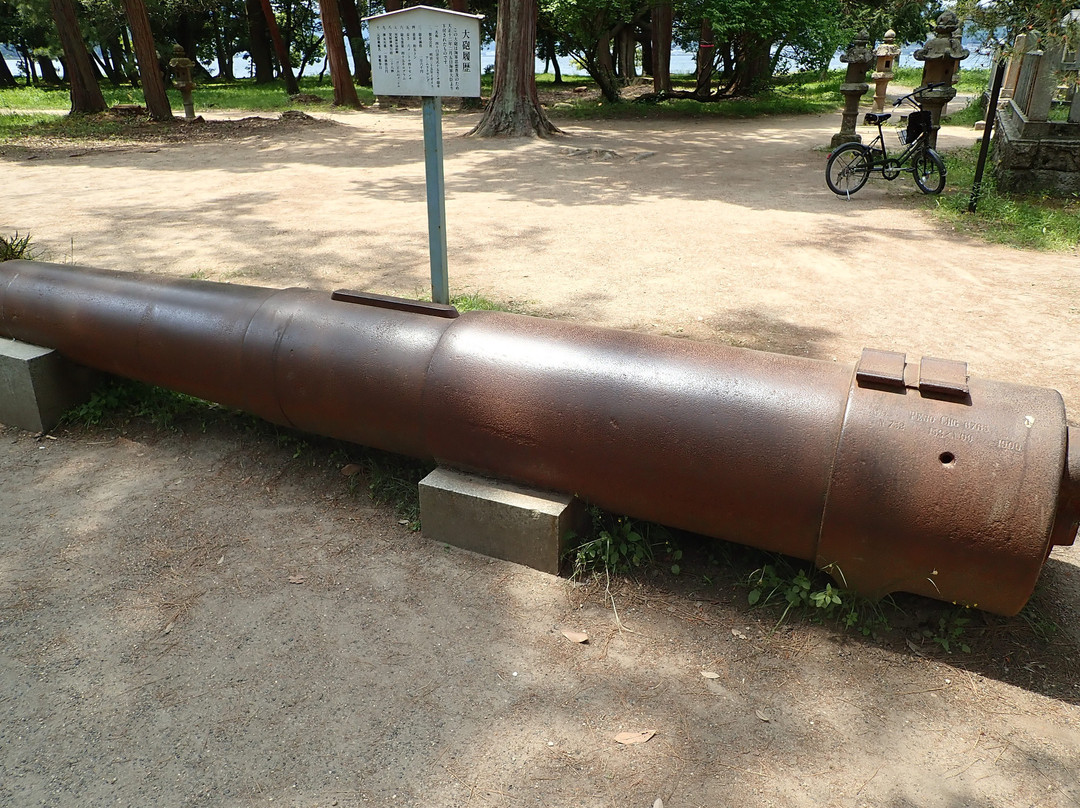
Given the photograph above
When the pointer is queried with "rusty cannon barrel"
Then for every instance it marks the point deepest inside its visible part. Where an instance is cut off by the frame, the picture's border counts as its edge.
(891, 475)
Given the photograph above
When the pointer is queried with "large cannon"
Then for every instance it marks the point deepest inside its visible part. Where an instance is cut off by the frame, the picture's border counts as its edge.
(891, 475)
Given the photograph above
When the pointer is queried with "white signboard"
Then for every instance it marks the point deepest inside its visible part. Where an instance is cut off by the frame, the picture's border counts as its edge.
(425, 51)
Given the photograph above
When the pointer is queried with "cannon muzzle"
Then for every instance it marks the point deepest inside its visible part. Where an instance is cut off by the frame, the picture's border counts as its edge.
(891, 475)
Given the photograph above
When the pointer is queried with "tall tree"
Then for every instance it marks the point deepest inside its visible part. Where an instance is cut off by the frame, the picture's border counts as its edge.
(157, 102)
(86, 95)
(350, 16)
(259, 45)
(661, 46)
(344, 89)
(587, 29)
(514, 109)
(291, 85)
(6, 78)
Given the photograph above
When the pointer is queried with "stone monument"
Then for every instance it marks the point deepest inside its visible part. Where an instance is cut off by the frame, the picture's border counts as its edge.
(858, 58)
(941, 57)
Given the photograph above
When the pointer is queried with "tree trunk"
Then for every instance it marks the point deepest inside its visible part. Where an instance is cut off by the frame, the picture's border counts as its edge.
(706, 60)
(103, 63)
(153, 85)
(28, 66)
(291, 85)
(130, 68)
(7, 78)
(85, 93)
(262, 58)
(643, 32)
(189, 34)
(661, 47)
(603, 71)
(48, 70)
(304, 62)
(514, 109)
(350, 16)
(753, 68)
(344, 89)
(221, 51)
(626, 47)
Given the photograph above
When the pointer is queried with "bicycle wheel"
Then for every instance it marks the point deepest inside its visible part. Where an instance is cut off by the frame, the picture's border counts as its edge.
(929, 172)
(848, 169)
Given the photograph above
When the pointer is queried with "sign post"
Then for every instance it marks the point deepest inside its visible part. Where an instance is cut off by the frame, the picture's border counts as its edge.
(432, 53)
(436, 198)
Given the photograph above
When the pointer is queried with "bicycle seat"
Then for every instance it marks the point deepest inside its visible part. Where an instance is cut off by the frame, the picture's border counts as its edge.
(877, 117)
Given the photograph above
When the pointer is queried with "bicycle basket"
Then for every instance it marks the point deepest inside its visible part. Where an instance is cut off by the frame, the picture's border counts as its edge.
(918, 123)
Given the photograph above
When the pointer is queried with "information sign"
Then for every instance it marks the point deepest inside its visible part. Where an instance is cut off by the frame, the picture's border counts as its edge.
(425, 51)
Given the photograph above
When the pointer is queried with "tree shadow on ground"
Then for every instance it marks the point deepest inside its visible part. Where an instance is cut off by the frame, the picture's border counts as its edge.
(599, 163)
(765, 330)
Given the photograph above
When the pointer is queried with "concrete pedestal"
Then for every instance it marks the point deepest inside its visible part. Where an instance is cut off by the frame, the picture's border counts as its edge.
(499, 519)
(37, 385)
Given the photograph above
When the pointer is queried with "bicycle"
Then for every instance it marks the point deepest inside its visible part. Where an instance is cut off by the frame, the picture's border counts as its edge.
(851, 164)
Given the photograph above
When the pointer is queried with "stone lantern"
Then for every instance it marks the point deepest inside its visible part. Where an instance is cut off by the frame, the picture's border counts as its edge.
(886, 54)
(858, 57)
(181, 67)
(941, 56)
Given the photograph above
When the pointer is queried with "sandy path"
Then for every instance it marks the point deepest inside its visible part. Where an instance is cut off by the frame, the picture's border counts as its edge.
(156, 652)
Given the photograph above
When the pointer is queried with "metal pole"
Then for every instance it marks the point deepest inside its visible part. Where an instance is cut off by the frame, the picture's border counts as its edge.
(436, 198)
(991, 117)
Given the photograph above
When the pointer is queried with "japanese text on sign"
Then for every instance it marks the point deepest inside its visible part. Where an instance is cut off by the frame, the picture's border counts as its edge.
(432, 53)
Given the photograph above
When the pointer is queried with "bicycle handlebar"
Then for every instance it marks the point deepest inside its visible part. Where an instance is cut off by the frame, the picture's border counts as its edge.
(918, 92)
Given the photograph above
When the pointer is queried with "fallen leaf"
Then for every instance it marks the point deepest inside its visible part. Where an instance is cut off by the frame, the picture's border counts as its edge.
(168, 627)
(221, 560)
(351, 470)
(761, 714)
(629, 738)
(710, 675)
(297, 579)
(658, 804)
(914, 648)
(735, 632)
(576, 636)
(403, 521)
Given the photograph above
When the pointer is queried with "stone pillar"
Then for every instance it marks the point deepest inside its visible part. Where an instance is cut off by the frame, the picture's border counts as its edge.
(182, 80)
(1044, 83)
(1012, 71)
(941, 56)
(858, 57)
(886, 54)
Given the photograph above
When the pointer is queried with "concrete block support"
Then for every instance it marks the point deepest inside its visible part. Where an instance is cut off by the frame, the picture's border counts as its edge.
(499, 519)
(37, 385)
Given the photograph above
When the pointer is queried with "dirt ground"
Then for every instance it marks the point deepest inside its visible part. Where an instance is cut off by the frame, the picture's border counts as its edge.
(199, 617)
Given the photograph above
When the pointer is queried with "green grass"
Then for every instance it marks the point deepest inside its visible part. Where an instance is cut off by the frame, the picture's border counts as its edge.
(45, 124)
(970, 115)
(15, 247)
(1033, 222)
(973, 80)
(238, 95)
(796, 95)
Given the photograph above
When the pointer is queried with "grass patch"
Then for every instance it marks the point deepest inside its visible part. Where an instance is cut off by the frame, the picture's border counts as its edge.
(15, 247)
(1033, 222)
(118, 401)
(801, 94)
(42, 124)
(968, 116)
(233, 95)
(619, 545)
(973, 80)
